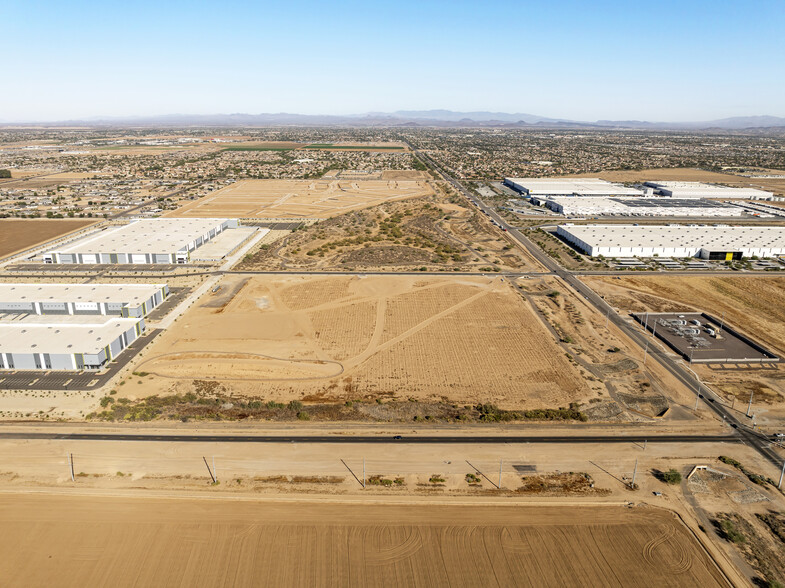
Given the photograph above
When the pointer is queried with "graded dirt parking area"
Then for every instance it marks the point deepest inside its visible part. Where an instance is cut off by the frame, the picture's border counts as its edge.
(89, 541)
(299, 198)
(331, 339)
(20, 234)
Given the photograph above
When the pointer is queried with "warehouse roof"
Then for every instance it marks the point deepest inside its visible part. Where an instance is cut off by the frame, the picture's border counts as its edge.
(157, 235)
(132, 294)
(577, 186)
(716, 238)
(645, 206)
(700, 189)
(72, 334)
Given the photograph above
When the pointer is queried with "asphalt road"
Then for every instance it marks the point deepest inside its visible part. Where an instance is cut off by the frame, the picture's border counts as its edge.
(352, 439)
(757, 440)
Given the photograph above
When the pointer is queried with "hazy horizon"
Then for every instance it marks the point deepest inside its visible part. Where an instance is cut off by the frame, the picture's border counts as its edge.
(669, 62)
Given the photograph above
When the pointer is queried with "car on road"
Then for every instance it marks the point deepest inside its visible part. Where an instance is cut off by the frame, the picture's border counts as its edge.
(397, 438)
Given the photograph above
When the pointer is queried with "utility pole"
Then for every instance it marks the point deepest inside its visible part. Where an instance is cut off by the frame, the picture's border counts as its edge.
(749, 406)
(646, 324)
(645, 442)
(696, 402)
(654, 329)
(782, 473)
(634, 473)
(692, 350)
(722, 323)
(71, 465)
(215, 471)
(209, 471)
(500, 473)
(363, 472)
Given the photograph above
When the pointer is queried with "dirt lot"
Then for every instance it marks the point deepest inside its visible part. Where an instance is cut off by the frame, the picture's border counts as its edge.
(331, 339)
(299, 198)
(20, 234)
(437, 232)
(751, 304)
(80, 541)
(746, 518)
(628, 390)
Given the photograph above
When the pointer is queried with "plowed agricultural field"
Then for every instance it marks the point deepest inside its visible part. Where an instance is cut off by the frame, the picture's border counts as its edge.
(340, 338)
(95, 541)
(753, 304)
(299, 198)
(20, 234)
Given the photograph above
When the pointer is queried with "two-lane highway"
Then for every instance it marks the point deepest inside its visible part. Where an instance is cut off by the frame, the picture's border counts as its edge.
(376, 439)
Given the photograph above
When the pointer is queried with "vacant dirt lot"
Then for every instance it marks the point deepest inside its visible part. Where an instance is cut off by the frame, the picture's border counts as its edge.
(83, 541)
(299, 198)
(330, 339)
(435, 232)
(20, 234)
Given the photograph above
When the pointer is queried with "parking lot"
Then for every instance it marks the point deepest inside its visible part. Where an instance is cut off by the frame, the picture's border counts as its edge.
(72, 380)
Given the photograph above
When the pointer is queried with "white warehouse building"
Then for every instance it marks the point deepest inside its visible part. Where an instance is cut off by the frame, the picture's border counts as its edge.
(548, 187)
(126, 300)
(702, 190)
(149, 241)
(706, 242)
(642, 206)
(72, 343)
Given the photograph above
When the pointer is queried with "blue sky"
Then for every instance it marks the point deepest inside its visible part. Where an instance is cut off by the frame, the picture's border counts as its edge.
(664, 60)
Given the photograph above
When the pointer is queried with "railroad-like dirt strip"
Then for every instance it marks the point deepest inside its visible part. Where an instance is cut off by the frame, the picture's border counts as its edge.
(92, 541)
(337, 338)
(321, 198)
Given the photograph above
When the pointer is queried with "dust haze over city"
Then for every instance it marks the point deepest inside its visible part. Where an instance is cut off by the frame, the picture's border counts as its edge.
(434, 294)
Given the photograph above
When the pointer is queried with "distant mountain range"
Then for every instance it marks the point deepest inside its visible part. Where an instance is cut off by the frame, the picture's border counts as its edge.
(416, 118)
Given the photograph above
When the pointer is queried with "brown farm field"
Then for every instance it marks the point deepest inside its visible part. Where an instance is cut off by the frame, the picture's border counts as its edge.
(333, 339)
(20, 234)
(304, 199)
(89, 541)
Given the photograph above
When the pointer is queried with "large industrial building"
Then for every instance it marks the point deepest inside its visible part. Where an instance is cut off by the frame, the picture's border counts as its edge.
(71, 343)
(150, 241)
(568, 187)
(701, 190)
(127, 300)
(668, 207)
(706, 242)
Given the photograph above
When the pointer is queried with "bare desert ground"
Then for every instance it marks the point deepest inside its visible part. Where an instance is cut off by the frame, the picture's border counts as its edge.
(437, 232)
(88, 541)
(328, 339)
(20, 234)
(299, 198)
